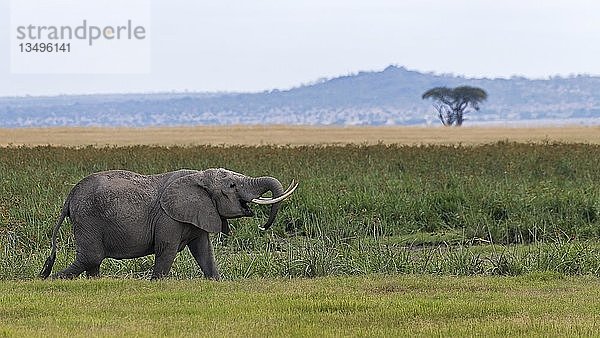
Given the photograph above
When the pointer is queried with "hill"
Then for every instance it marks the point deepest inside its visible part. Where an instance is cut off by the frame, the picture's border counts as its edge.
(388, 97)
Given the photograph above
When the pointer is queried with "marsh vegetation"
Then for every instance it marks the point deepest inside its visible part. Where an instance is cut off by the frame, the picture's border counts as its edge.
(501, 209)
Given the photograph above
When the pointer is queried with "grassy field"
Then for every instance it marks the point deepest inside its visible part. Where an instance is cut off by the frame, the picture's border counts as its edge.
(383, 306)
(290, 135)
(496, 239)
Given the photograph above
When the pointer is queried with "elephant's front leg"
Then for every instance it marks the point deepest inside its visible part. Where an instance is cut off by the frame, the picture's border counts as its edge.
(165, 253)
(202, 251)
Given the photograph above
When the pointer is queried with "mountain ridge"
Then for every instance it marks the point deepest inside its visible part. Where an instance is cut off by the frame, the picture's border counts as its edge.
(391, 96)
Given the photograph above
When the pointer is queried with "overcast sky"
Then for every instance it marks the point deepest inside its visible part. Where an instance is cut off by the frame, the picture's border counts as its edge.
(254, 45)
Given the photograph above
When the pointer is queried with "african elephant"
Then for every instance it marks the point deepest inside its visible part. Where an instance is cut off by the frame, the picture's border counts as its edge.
(122, 214)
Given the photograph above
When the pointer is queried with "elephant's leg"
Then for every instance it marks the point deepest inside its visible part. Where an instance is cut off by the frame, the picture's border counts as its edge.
(93, 271)
(90, 252)
(202, 251)
(164, 256)
(72, 271)
(91, 265)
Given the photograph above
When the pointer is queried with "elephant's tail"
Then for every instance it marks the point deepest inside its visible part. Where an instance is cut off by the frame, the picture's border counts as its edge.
(50, 260)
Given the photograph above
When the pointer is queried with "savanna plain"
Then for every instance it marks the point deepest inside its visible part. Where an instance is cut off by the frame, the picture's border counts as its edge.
(470, 236)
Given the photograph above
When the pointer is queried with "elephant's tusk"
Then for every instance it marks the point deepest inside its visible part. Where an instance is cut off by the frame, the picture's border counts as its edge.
(278, 199)
(285, 192)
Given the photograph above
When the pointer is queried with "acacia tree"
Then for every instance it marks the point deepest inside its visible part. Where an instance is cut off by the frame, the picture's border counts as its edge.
(452, 103)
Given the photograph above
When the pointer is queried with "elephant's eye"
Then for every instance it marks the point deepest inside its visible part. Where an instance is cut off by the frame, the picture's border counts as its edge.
(232, 185)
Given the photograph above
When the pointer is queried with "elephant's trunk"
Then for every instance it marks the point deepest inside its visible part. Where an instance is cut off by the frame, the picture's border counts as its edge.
(264, 184)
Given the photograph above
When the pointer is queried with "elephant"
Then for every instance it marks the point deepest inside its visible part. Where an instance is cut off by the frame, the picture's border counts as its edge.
(122, 214)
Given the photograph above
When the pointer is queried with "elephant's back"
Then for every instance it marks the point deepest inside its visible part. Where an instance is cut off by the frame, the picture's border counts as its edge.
(114, 194)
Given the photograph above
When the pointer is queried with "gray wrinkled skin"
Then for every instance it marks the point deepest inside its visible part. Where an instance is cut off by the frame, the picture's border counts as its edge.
(121, 214)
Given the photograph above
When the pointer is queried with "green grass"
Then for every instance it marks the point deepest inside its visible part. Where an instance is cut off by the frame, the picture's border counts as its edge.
(415, 305)
(359, 209)
(493, 240)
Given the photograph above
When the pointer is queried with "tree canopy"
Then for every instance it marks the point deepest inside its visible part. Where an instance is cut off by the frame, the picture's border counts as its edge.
(452, 103)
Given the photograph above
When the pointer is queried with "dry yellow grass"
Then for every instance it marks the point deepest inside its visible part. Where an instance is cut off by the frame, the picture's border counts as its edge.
(293, 135)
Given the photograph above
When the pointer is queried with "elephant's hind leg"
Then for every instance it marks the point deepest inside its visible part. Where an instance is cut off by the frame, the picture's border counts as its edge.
(90, 253)
(72, 271)
(91, 265)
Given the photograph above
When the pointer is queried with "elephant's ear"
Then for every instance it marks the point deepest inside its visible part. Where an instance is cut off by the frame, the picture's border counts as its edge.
(187, 200)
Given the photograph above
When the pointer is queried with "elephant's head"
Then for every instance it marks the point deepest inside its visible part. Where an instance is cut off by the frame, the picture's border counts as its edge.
(208, 198)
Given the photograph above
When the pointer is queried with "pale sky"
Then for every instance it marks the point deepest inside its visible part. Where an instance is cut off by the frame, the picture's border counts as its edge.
(255, 45)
